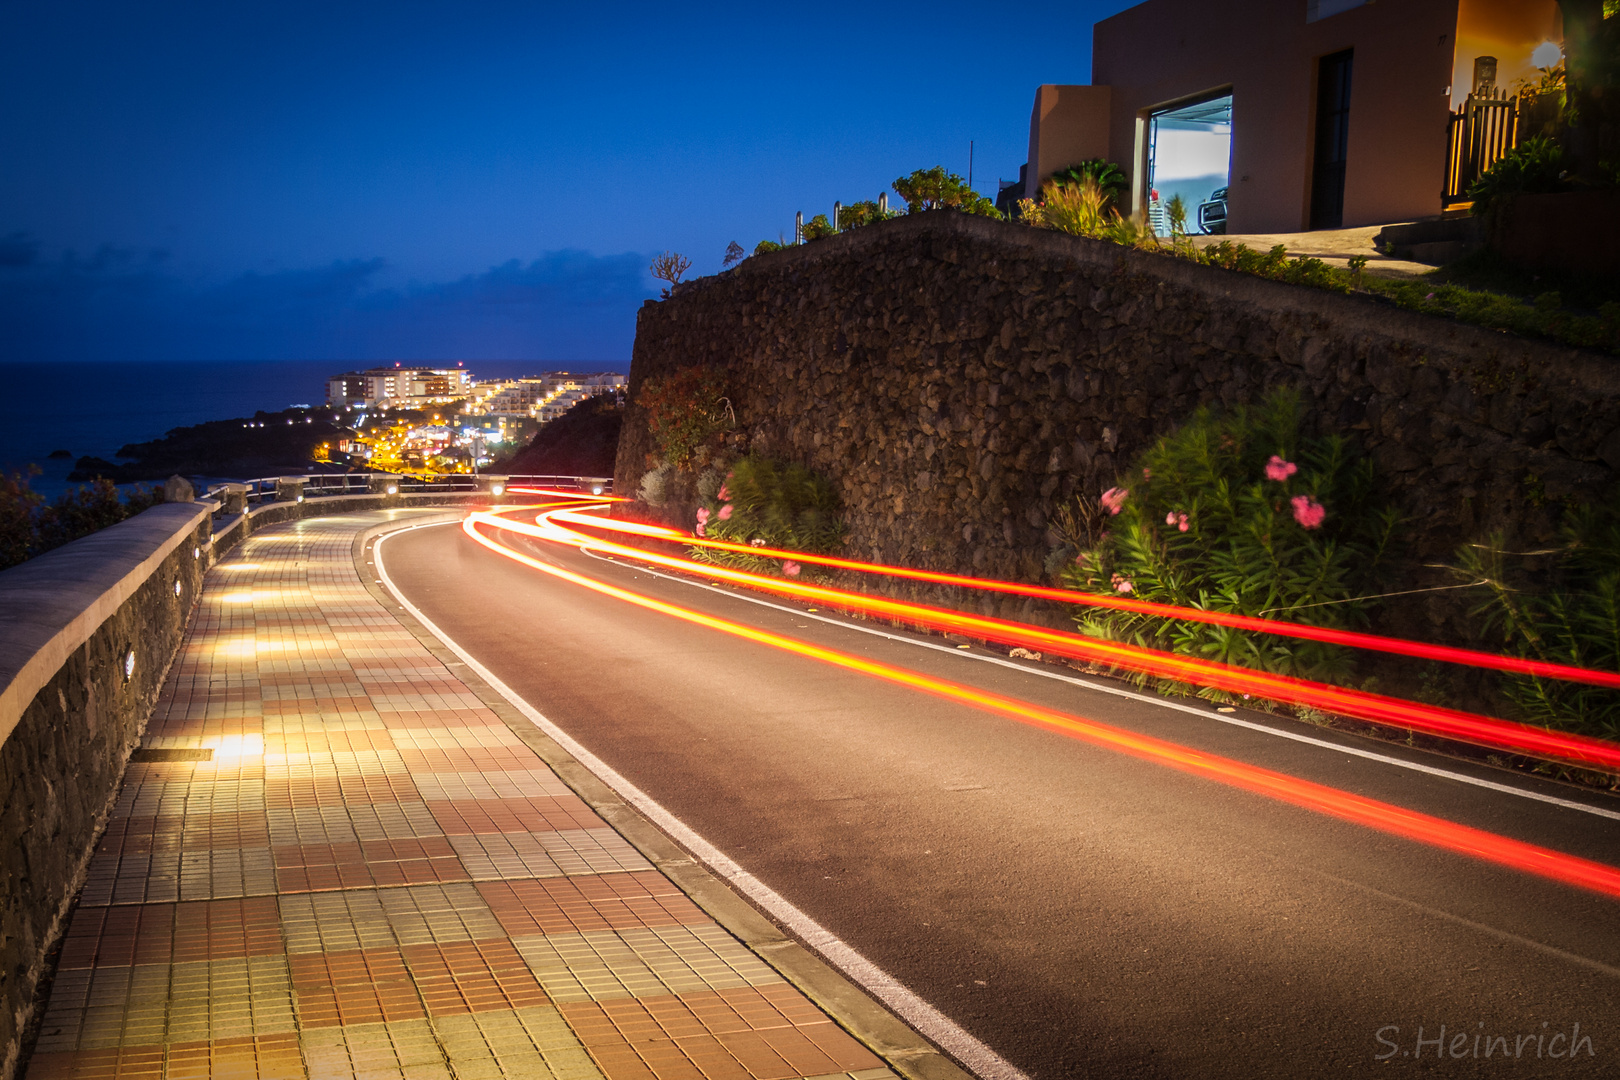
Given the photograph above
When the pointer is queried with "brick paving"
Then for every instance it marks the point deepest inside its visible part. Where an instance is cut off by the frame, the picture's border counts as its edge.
(371, 876)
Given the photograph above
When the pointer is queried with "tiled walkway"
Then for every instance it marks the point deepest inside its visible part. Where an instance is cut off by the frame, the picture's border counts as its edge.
(330, 859)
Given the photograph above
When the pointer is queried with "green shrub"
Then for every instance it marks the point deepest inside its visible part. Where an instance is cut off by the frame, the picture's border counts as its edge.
(768, 503)
(1241, 512)
(683, 410)
(769, 245)
(1575, 621)
(936, 189)
(18, 505)
(1107, 176)
(1535, 166)
(29, 528)
(818, 227)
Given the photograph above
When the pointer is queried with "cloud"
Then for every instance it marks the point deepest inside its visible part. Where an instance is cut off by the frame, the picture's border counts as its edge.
(122, 304)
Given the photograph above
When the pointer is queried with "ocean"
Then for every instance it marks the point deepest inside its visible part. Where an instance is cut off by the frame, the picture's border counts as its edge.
(96, 408)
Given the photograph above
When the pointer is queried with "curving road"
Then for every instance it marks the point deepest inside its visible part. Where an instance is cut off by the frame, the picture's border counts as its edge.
(1081, 912)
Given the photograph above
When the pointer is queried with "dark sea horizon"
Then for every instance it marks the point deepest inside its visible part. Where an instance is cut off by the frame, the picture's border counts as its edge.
(97, 407)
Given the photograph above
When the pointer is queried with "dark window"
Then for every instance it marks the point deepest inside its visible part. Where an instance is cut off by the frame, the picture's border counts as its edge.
(1332, 140)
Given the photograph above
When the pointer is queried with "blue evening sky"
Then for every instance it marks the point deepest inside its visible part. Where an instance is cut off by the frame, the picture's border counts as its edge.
(458, 180)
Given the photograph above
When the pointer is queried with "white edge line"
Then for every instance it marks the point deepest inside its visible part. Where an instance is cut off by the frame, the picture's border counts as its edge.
(1206, 714)
(929, 1021)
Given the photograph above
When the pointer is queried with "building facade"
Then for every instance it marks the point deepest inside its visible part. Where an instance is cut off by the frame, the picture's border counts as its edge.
(399, 387)
(1282, 115)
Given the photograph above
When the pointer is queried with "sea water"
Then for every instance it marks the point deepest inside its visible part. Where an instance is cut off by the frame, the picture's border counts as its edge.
(97, 408)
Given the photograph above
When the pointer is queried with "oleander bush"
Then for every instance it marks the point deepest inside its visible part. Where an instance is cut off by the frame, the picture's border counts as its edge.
(1240, 511)
(763, 502)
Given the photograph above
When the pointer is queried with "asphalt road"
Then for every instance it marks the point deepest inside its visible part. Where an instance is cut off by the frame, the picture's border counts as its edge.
(1081, 912)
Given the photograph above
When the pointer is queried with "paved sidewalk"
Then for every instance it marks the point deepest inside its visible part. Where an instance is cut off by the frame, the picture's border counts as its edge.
(330, 859)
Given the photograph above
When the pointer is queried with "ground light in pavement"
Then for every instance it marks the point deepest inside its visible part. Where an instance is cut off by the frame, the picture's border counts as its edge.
(1375, 708)
(1400, 646)
(1371, 813)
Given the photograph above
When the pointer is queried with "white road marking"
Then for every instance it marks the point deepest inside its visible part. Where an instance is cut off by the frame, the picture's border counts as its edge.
(932, 1023)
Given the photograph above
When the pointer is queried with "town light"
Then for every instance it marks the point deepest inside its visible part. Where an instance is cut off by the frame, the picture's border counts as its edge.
(497, 489)
(393, 489)
(129, 665)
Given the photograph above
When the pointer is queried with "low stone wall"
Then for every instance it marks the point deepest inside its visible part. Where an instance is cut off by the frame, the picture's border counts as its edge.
(88, 635)
(959, 377)
(71, 711)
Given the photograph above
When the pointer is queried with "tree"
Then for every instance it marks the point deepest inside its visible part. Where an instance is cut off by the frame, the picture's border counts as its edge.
(1592, 71)
(734, 252)
(669, 267)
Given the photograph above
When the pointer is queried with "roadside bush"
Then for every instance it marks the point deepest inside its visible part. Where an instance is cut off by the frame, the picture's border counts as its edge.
(1534, 167)
(1244, 512)
(28, 527)
(768, 503)
(683, 410)
(18, 505)
(1574, 621)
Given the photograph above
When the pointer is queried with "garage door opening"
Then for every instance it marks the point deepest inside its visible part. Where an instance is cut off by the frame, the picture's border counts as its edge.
(1190, 154)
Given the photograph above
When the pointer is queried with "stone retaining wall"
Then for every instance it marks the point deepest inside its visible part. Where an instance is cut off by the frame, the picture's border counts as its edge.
(959, 377)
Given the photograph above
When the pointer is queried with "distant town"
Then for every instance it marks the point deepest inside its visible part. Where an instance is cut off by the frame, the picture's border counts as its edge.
(436, 420)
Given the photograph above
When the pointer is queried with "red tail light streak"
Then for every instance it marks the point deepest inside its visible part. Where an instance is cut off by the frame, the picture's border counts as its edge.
(1375, 642)
(1370, 813)
(1376, 708)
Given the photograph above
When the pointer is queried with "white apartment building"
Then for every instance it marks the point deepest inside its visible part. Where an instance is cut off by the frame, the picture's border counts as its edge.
(399, 387)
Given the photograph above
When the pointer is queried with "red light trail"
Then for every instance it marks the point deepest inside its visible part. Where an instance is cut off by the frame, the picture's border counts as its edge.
(1399, 646)
(1371, 813)
(1377, 708)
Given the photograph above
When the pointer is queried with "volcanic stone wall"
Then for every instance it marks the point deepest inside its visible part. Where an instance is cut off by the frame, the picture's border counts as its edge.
(959, 377)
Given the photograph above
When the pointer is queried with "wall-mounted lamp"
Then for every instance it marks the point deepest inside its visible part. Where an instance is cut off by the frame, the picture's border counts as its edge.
(177, 586)
(196, 553)
(497, 489)
(393, 489)
(129, 665)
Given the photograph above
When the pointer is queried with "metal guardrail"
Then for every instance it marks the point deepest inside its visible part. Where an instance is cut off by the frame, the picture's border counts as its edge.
(268, 489)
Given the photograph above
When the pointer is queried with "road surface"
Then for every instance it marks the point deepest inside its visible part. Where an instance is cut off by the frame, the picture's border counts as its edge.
(1081, 912)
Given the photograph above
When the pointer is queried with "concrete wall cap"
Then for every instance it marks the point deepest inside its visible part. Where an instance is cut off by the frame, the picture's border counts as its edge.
(55, 601)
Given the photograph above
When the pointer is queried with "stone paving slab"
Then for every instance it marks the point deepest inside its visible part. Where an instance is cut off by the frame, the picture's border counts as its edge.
(371, 876)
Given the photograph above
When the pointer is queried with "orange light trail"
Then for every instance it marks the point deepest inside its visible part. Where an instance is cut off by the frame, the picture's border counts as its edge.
(1350, 638)
(1376, 708)
(1356, 809)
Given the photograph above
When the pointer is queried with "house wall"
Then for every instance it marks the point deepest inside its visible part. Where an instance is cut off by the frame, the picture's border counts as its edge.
(1165, 51)
(1068, 125)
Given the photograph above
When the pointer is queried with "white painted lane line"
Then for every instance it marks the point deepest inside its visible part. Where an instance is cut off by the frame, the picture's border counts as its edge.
(1118, 691)
(929, 1021)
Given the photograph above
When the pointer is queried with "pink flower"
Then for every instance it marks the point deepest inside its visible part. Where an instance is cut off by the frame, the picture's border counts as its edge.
(1170, 518)
(1181, 522)
(703, 515)
(725, 512)
(1307, 511)
(1114, 499)
(722, 494)
(1147, 474)
(756, 542)
(700, 531)
(1121, 583)
(1279, 470)
(790, 568)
